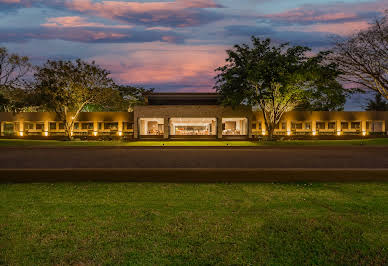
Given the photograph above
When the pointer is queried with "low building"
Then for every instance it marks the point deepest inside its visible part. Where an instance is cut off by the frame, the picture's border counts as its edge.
(193, 116)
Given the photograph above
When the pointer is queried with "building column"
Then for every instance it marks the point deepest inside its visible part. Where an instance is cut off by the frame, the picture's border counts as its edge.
(288, 127)
(166, 128)
(314, 127)
(21, 127)
(120, 130)
(263, 127)
(2, 123)
(135, 128)
(339, 129)
(363, 127)
(219, 127)
(249, 121)
(46, 128)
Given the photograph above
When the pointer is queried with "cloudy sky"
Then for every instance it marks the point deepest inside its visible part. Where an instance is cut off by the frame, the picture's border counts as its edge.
(172, 45)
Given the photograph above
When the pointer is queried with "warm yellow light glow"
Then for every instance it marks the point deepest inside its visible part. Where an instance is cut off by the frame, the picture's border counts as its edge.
(338, 133)
(21, 133)
(95, 133)
(288, 133)
(314, 133)
(263, 133)
(71, 133)
(364, 133)
(46, 133)
(120, 133)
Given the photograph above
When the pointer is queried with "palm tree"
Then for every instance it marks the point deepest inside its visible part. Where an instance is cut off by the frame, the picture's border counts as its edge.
(378, 104)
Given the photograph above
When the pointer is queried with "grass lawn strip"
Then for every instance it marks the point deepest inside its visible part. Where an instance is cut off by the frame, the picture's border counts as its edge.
(141, 223)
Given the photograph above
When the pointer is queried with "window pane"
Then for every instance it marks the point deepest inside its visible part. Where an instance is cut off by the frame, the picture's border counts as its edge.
(331, 125)
(53, 125)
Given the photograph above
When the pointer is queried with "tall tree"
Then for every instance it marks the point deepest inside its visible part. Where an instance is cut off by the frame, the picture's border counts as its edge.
(276, 78)
(13, 71)
(363, 58)
(66, 87)
(378, 104)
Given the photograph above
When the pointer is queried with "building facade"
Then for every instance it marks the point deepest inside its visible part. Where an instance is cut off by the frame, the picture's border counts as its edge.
(192, 116)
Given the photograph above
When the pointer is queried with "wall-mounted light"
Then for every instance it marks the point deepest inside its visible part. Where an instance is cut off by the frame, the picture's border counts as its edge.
(120, 133)
(46, 133)
(338, 133)
(314, 133)
(288, 133)
(95, 133)
(263, 133)
(364, 133)
(21, 133)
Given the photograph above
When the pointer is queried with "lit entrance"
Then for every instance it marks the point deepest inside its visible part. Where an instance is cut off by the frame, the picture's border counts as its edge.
(193, 126)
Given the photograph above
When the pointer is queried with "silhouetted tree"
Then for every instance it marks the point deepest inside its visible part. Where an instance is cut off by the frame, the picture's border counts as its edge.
(363, 58)
(13, 71)
(378, 104)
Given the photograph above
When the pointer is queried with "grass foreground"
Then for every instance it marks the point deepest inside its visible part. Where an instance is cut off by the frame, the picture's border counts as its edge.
(193, 224)
(215, 143)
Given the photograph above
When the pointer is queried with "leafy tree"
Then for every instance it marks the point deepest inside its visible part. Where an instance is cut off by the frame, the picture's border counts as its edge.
(363, 58)
(13, 71)
(275, 78)
(132, 96)
(66, 87)
(378, 104)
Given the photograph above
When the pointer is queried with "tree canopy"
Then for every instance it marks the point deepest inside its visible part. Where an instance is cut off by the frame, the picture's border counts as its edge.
(66, 87)
(277, 79)
(377, 104)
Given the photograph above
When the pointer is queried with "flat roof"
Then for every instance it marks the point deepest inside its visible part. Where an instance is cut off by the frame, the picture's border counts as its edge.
(176, 98)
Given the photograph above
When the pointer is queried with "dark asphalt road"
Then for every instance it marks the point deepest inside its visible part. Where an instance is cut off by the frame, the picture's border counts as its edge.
(283, 157)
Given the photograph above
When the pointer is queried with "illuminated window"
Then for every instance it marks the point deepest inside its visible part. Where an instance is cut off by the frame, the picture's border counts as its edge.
(195, 126)
(53, 126)
(111, 125)
(331, 125)
(284, 125)
(62, 126)
(321, 125)
(296, 125)
(344, 125)
(28, 126)
(307, 126)
(260, 125)
(151, 126)
(355, 125)
(254, 125)
(234, 126)
(39, 126)
(86, 126)
(76, 126)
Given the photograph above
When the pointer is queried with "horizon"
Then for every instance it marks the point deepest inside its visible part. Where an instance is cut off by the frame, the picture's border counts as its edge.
(174, 46)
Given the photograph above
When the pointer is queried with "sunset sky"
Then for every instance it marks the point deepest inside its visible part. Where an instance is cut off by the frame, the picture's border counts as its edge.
(172, 45)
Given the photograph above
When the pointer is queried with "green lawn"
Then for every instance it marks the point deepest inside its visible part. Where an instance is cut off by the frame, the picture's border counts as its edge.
(193, 224)
(24, 142)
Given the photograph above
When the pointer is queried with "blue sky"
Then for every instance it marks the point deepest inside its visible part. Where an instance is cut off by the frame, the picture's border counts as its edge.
(173, 45)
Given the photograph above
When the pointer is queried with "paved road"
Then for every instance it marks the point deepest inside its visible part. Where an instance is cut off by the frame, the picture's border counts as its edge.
(283, 157)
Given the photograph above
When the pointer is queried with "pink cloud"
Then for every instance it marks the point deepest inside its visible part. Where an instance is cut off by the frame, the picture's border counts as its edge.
(159, 63)
(77, 22)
